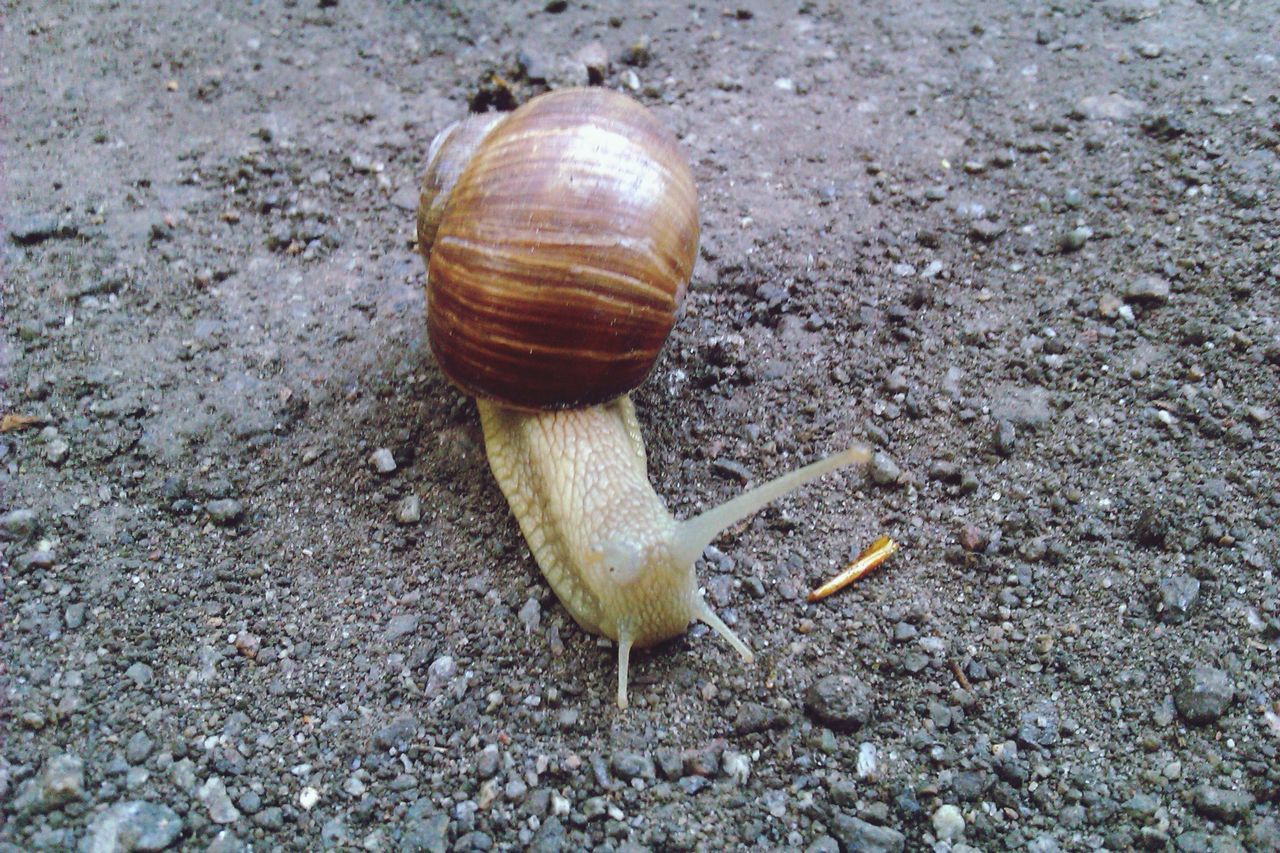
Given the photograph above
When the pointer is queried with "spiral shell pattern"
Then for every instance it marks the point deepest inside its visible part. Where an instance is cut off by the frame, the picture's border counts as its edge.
(560, 255)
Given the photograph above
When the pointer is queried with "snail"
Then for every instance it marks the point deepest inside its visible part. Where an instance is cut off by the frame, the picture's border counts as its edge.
(559, 241)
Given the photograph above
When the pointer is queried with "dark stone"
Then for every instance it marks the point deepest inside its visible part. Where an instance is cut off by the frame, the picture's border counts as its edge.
(59, 782)
(1204, 695)
(36, 228)
(970, 785)
(704, 761)
(1039, 726)
(397, 735)
(633, 765)
(1164, 128)
(225, 512)
(1175, 598)
(985, 231)
(842, 702)
(136, 825)
(1221, 804)
(670, 764)
(426, 835)
(732, 470)
(855, 834)
(753, 717)
(1004, 438)
(19, 525)
(1151, 528)
(549, 838)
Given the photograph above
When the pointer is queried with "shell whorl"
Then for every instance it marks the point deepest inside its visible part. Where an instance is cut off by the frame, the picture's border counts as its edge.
(559, 252)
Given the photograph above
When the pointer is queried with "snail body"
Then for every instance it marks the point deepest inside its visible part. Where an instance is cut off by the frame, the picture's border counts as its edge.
(559, 242)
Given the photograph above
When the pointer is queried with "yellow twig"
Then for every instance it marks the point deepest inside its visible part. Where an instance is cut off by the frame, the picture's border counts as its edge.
(879, 551)
(13, 423)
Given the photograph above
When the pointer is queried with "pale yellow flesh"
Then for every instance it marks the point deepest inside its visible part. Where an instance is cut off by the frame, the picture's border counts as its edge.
(577, 485)
(617, 560)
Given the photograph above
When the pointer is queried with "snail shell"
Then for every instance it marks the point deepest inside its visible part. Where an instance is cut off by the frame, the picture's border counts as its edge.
(559, 242)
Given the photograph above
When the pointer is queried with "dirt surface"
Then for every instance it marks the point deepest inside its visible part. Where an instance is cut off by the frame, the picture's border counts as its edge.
(1029, 250)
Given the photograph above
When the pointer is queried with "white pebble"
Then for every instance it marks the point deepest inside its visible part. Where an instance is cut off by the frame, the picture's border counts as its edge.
(737, 767)
(382, 460)
(948, 823)
(308, 798)
(409, 510)
(868, 762)
(531, 615)
(440, 673)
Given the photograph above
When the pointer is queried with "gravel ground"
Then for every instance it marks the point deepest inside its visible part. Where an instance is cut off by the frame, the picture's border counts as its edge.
(261, 592)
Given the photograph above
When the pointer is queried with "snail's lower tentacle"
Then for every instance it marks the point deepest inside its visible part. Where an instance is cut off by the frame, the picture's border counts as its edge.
(624, 659)
(704, 613)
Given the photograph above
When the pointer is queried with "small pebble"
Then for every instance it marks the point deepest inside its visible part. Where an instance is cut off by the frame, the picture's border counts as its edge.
(904, 632)
(530, 615)
(896, 381)
(594, 807)
(1203, 695)
(1074, 240)
(633, 765)
(134, 825)
(753, 717)
(400, 626)
(1223, 804)
(409, 509)
(1175, 598)
(139, 673)
(840, 701)
(225, 512)
(985, 230)
(382, 461)
(138, 748)
(248, 644)
(595, 58)
(1004, 438)
(308, 798)
(639, 53)
(19, 524)
(1148, 290)
(398, 734)
(488, 761)
(883, 470)
(213, 793)
(56, 451)
(440, 674)
(972, 538)
(736, 766)
(868, 765)
(948, 823)
(857, 834)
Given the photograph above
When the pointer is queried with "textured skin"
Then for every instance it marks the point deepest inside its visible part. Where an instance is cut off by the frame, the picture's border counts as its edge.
(577, 485)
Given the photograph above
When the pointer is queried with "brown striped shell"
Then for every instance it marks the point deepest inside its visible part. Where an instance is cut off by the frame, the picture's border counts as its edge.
(559, 242)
